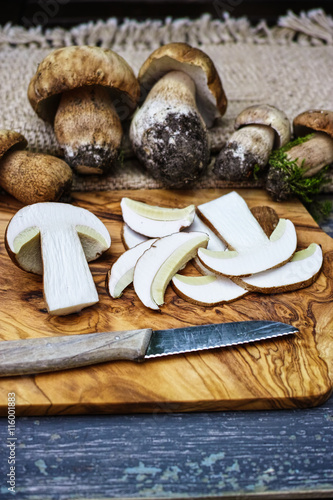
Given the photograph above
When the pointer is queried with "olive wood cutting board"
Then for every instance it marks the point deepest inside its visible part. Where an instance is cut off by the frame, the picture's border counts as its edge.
(293, 372)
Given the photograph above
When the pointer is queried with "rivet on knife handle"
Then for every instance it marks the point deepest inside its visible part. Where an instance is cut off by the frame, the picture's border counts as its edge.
(23, 357)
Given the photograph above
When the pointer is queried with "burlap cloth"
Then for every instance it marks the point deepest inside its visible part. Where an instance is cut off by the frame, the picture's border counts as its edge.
(289, 66)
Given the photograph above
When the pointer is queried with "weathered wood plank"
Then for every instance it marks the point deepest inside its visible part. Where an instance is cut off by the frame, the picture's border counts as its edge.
(260, 454)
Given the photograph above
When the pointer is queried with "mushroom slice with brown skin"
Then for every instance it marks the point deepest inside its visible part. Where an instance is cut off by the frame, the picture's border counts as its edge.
(154, 221)
(259, 129)
(307, 158)
(206, 290)
(251, 251)
(122, 271)
(85, 92)
(160, 263)
(31, 177)
(301, 271)
(131, 238)
(69, 236)
(169, 132)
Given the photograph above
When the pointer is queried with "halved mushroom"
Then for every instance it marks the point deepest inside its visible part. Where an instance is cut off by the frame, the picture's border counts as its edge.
(168, 133)
(300, 272)
(85, 91)
(57, 239)
(154, 221)
(259, 129)
(31, 177)
(160, 263)
(122, 271)
(292, 166)
(206, 290)
(251, 251)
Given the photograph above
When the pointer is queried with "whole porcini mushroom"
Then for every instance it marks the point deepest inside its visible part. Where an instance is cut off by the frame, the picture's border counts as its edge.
(31, 177)
(84, 92)
(56, 240)
(297, 169)
(259, 129)
(185, 95)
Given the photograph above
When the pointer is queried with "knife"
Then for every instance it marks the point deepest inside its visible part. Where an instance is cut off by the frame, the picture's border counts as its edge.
(28, 356)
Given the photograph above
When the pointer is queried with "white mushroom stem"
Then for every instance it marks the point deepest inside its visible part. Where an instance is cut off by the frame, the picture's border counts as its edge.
(313, 154)
(68, 283)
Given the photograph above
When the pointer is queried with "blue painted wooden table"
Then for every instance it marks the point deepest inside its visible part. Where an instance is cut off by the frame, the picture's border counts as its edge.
(261, 454)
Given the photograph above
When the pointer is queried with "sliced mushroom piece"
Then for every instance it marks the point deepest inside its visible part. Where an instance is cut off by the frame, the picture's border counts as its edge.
(278, 250)
(85, 91)
(154, 221)
(302, 160)
(160, 263)
(214, 242)
(31, 177)
(261, 128)
(231, 219)
(206, 290)
(122, 271)
(68, 283)
(302, 270)
(169, 132)
(251, 251)
(131, 238)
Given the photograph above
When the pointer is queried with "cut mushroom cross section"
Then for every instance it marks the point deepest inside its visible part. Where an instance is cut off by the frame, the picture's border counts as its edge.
(231, 219)
(153, 221)
(122, 271)
(69, 236)
(206, 290)
(278, 250)
(160, 263)
(300, 272)
(251, 250)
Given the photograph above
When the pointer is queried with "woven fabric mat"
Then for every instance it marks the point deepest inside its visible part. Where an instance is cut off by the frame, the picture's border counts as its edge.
(289, 66)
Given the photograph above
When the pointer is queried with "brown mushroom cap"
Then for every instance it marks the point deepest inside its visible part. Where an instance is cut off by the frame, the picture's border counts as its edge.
(72, 67)
(9, 139)
(265, 114)
(211, 99)
(313, 120)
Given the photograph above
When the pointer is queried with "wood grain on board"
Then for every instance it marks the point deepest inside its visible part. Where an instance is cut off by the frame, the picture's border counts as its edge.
(285, 373)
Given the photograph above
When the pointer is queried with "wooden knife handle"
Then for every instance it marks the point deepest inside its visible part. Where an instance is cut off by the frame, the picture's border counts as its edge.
(24, 357)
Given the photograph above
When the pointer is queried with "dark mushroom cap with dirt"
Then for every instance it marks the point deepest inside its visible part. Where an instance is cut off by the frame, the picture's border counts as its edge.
(313, 120)
(211, 98)
(73, 67)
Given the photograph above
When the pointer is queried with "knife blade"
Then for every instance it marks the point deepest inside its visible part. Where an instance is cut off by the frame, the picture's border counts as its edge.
(38, 355)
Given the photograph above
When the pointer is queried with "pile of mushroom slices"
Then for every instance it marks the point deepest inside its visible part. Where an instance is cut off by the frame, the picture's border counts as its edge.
(227, 244)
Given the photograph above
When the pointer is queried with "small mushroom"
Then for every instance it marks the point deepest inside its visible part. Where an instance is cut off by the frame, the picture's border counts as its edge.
(85, 92)
(169, 132)
(57, 240)
(31, 177)
(259, 129)
(291, 168)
